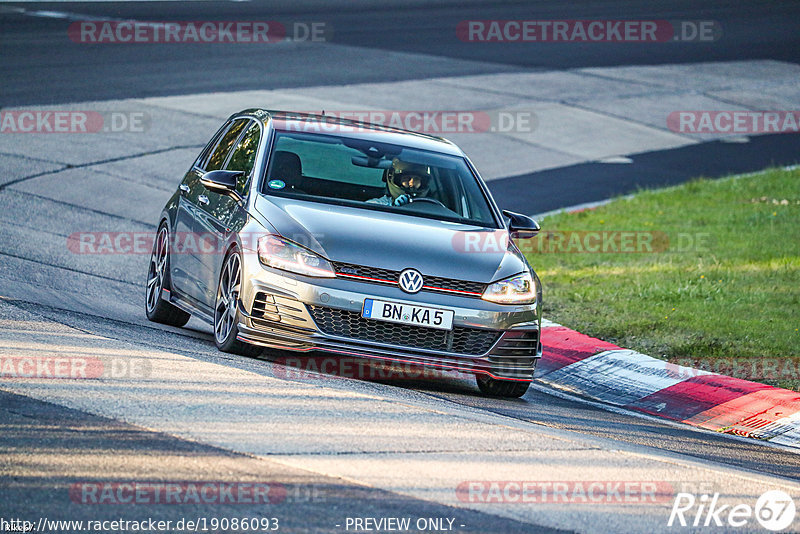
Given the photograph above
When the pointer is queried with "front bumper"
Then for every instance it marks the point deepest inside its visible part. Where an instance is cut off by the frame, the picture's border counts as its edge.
(291, 312)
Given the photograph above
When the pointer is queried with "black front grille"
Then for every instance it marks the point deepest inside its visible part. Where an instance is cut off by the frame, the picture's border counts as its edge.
(387, 276)
(369, 272)
(517, 347)
(473, 340)
(461, 340)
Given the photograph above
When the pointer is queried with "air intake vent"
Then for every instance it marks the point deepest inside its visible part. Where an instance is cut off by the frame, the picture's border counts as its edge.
(461, 340)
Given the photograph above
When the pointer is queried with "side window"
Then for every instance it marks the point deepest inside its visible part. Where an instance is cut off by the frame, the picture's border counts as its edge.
(243, 156)
(203, 157)
(225, 144)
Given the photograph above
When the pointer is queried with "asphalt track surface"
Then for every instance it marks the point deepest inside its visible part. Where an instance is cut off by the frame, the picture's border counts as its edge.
(46, 447)
(83, 72)
(545, 191)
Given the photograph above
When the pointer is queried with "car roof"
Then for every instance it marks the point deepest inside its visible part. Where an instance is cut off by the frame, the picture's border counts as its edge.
(313, 123)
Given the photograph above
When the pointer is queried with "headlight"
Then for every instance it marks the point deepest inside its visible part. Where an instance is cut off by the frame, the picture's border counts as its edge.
(519, 289)
(282, 254)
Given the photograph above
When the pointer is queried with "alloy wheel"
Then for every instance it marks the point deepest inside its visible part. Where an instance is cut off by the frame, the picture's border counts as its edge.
(227, 298)
(157, 271)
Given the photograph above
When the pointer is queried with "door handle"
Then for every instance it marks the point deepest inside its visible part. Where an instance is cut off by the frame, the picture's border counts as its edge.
(203, 200)
(184, 188)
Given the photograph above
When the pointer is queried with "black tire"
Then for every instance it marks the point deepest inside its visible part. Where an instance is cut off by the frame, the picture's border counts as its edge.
(159, 310)
(494, 387)
(226, 315)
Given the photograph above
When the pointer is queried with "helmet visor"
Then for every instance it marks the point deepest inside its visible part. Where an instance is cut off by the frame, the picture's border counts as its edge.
(410, 181)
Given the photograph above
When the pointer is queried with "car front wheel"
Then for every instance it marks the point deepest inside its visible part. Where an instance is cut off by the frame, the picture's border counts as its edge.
(501, 388)
(226, 306)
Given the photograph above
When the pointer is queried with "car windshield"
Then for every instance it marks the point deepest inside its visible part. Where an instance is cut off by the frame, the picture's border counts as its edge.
(376, 176)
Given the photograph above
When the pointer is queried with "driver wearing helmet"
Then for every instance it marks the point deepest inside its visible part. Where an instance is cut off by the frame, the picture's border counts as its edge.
(404, 181)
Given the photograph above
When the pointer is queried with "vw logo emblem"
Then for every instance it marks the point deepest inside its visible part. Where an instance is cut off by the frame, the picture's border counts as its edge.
(411, 281)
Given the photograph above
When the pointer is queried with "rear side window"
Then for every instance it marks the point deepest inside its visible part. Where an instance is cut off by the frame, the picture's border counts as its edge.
(243, 156)
(217, 158)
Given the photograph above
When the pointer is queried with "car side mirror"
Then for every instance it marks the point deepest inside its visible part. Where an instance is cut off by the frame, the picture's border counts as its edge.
(521, 226)
(223, 182)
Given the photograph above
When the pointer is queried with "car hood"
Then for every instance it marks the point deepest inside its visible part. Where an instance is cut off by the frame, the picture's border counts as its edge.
(392, 241)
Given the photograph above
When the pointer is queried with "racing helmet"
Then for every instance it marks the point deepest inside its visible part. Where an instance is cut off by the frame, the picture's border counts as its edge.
(404, 178)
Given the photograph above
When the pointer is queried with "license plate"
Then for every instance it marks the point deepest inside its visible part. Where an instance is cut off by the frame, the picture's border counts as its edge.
(395, 312)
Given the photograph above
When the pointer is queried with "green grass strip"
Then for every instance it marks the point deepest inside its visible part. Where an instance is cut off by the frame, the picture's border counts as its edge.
(705, 274)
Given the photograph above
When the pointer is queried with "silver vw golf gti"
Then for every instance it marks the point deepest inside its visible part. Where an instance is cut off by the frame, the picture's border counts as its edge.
(309, 233)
